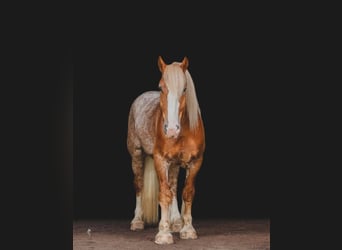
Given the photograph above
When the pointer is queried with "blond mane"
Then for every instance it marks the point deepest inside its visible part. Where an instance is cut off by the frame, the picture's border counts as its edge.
(176, 76)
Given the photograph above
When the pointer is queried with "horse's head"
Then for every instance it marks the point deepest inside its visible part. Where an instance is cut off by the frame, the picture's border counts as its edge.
(173, 85)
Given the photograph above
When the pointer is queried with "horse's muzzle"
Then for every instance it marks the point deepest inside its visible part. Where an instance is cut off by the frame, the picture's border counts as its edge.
(171, 132)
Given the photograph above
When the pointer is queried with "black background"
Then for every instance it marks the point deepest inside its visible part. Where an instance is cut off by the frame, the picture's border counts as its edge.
(77, 68)
(252, 66)
(235, 65)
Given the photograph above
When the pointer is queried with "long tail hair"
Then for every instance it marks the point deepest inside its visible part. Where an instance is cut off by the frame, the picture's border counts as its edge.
(150, 192)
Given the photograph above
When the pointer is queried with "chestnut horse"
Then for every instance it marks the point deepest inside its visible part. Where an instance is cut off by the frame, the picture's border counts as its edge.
(165, 132)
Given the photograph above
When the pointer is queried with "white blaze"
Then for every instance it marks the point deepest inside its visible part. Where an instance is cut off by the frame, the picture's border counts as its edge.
(172, 110)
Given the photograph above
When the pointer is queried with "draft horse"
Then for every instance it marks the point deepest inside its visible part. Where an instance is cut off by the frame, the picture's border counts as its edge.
(166, 132)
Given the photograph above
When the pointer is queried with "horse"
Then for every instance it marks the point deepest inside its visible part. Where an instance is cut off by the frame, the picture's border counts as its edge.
(166, 133)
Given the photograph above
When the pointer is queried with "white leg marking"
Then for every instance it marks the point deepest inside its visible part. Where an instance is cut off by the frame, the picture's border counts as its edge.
(175, 217)
(137, 222)
(174, 210)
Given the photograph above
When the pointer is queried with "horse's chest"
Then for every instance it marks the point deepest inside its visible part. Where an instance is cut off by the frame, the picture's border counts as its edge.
(184, 157)
(182, 154)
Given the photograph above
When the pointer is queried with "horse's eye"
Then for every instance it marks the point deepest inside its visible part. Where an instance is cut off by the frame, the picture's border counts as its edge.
(184, 90)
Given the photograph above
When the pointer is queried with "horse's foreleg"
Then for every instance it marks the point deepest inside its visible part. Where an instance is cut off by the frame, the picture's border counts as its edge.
(137, 165)
(164, 235)
(175, 217)
(188, 231)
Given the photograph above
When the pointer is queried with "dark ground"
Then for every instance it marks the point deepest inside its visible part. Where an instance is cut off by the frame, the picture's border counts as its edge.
(212, 234)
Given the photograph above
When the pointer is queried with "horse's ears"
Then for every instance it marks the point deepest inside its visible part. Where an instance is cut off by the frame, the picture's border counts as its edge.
(161, 64)
(184, 64)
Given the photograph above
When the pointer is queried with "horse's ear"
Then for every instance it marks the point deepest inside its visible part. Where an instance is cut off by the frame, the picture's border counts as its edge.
(161, 64)
(184, 64)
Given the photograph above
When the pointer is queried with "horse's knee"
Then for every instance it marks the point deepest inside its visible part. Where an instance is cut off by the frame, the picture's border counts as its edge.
(165, 196)
(188, 194)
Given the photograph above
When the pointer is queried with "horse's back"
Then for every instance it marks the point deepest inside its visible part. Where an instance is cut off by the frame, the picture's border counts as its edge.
(146, 102)
(141, 122)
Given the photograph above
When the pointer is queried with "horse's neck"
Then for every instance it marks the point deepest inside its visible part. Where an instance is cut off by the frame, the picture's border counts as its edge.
(185, 121)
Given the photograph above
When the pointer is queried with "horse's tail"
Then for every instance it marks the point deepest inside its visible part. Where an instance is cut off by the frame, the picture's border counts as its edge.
(150, 192)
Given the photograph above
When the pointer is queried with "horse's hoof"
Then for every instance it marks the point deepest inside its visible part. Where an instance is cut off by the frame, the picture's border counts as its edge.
(177, 225)
(163, 238)
(137, 225)
(189, 233)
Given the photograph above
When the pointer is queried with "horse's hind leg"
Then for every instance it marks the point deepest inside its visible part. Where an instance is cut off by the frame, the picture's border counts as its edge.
(188, 231)
(137, 165)
(175, 217)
